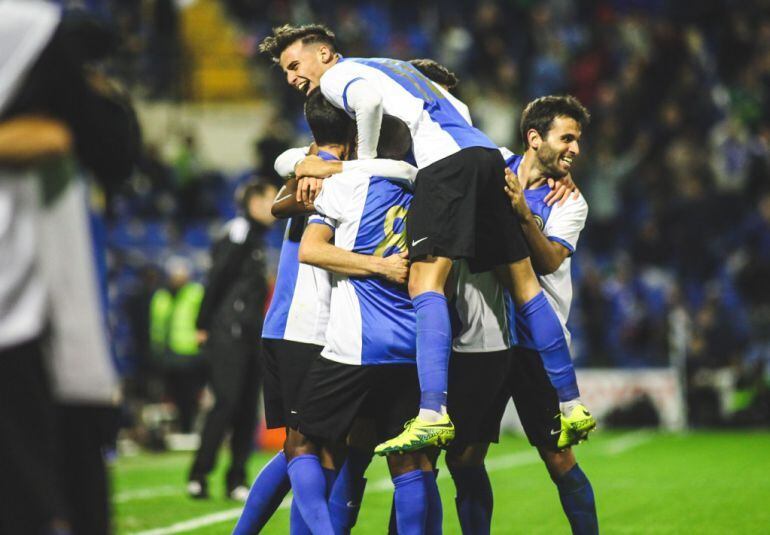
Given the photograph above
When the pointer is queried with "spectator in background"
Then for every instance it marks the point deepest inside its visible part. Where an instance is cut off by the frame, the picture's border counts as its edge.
(230, 323)
(173, 311)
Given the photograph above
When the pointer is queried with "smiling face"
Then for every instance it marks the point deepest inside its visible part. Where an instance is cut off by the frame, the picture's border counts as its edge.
(556, 152)
(304, 64)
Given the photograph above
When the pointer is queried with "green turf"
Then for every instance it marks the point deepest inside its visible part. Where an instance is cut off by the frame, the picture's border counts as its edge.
(705, 482)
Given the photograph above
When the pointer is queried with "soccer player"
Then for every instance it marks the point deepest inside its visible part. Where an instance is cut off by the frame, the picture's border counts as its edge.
(479, 307)
(457, 211)
(370, 343)
(295, 325)
(549, 125)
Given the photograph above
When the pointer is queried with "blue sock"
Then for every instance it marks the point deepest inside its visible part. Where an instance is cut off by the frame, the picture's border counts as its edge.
(297, 525)
(577, 500)
(474, 498)
(330, 476)
(435, 516)
(548, 339)
(268, 491)
(411, 503)
(434, 344)
(348, 490)
(309, 485)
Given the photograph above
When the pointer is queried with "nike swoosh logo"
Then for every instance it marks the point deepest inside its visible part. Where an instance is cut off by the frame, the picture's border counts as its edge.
(351, 505)
(415, 242)
(283, 198)
(555, 432)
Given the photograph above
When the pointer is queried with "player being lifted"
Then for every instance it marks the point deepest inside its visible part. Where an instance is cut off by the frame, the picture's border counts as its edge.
(370, 341)
(458, 212)
(477, 373)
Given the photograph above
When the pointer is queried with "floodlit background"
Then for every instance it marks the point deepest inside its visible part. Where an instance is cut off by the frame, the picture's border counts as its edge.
(671, 316)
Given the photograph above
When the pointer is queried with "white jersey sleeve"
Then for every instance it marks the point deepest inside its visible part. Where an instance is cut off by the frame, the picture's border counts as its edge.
(288, 159)
(396, 169)
(360, 98)
(566, 222)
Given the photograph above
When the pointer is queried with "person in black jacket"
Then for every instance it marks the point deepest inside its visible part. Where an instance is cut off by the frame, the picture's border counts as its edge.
(230, 323)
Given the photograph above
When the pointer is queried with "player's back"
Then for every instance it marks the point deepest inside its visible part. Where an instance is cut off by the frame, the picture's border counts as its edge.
(372, 321)
(438, 129)
(299, 309)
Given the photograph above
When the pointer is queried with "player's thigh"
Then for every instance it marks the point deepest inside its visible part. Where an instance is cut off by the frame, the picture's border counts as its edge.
(428, 275)
(519, 279)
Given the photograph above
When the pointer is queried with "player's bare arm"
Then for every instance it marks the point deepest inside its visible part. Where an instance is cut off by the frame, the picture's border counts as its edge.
(317, 250)
(288, 203)
(546, 255)
(29, 140)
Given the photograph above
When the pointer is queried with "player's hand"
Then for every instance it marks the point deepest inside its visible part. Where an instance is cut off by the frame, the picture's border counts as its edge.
(395, 268)
(201, 336)
(313, 166)
(308, 189)
(515, 193)
(561, 191)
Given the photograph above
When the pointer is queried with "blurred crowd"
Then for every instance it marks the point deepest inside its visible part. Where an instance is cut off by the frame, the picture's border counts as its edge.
(673, 264)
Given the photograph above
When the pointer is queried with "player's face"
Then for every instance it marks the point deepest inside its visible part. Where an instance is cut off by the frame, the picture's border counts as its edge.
(304, 65)
(560, 147)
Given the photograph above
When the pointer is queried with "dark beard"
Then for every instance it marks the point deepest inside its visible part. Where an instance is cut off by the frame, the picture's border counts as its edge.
(548, 159)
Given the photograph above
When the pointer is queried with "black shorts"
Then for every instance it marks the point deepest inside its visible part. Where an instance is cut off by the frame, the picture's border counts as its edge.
(535, 398)
(336, 394)
(477, 396)
(285, 366)
(460, 210)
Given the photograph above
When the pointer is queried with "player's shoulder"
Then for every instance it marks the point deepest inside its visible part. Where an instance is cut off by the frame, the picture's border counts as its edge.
(573, 204)
(346, 183)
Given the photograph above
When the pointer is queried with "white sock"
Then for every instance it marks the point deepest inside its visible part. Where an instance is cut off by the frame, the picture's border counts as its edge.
(567, 407)
(429, 415)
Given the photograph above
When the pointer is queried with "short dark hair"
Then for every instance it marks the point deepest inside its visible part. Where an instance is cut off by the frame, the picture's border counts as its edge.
(255, 186)
(284, 36)
(540, 113)
(395, 139)
(436, 72)
(329, 124)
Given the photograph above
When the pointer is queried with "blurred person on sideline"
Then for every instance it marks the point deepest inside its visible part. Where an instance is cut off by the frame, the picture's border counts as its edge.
(57, 382)
(174, 339)
(230, 323)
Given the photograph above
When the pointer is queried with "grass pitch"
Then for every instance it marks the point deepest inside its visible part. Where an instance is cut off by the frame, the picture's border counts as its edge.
(645, 482)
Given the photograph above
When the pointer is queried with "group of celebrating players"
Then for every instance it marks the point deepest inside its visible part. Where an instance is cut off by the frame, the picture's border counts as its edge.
(424, 278)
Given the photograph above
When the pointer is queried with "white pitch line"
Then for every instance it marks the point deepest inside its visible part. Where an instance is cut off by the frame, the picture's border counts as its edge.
(628, 441)
(144, 494)
(195, 523)
(503, 462)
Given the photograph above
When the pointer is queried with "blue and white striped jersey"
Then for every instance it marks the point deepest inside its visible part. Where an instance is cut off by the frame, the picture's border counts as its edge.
(561, 224)
(435, 118)
(372, 321)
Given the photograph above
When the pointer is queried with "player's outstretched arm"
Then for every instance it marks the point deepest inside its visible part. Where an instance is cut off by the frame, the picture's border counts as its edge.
(315, 249)
(29, 140)
(313, 166)
(364, 100)
(546, 255)
(288, 203)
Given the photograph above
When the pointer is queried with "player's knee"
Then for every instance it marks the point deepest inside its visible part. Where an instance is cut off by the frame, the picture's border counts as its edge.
(400, 464)
(469, 456)
(297, 444)
(557, 463)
